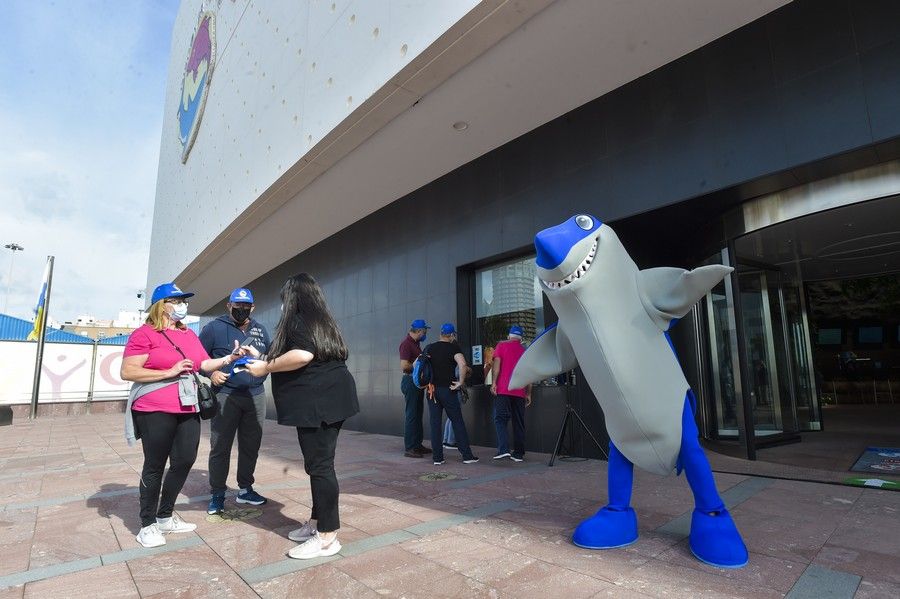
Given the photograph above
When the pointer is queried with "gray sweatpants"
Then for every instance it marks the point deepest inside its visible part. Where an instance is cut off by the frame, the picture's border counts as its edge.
(240, 414)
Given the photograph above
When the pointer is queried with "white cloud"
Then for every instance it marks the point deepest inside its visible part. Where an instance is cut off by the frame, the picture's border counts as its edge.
(79, 144)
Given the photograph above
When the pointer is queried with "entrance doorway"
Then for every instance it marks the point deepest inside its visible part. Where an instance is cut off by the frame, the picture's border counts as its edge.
(804, 344)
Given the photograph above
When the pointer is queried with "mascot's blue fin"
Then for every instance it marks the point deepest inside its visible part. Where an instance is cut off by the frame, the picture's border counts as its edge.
(668, 293)
(548, 355)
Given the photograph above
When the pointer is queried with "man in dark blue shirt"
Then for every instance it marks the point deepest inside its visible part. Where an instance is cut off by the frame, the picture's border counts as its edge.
(242, 403)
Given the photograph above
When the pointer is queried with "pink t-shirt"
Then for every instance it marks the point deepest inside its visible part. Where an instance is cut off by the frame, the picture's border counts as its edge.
(509, 353)
(161, 355)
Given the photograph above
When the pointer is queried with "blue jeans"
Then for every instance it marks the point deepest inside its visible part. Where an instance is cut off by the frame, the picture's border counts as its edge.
(412, 430)
(445, 399)
(506, 406)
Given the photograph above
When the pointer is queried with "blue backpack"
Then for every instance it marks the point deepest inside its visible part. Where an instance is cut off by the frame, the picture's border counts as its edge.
(422, 372)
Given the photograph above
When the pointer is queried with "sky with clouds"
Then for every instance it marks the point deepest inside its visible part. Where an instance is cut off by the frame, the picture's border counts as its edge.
(81, 108)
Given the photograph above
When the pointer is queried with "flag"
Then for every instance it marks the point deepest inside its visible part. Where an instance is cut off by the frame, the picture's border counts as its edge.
(35, 333)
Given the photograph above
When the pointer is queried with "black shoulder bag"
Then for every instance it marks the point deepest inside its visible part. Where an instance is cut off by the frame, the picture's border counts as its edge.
(207, 402)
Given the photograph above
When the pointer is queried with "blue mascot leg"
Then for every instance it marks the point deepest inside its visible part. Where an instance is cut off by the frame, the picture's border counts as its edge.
(615, 525)
(714, 538)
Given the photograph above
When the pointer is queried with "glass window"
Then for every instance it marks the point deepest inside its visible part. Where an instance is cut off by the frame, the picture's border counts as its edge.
(507, 294)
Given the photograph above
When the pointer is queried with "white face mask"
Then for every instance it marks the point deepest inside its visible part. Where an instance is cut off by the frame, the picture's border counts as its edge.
(179, 311)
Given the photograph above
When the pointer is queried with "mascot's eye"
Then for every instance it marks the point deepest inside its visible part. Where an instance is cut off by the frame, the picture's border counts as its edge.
(585, 222)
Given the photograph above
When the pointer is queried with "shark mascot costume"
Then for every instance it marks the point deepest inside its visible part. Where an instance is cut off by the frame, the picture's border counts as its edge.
(613, 320)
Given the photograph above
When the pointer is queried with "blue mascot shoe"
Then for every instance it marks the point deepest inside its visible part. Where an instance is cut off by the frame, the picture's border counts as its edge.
(607, 529)
(716, 541)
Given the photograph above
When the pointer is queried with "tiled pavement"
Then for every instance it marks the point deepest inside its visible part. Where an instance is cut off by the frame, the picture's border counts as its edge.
(68, 516)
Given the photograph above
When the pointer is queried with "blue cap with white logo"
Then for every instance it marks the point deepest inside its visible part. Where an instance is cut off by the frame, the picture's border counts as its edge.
(447, 328)
(516, 330)
(167, 290)
(240, 295)
(418, 324)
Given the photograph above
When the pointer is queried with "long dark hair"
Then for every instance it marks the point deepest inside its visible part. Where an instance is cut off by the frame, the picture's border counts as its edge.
(305, 314)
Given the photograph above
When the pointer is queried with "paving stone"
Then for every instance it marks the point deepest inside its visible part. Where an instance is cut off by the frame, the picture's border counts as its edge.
(107, 582)
(497, 530)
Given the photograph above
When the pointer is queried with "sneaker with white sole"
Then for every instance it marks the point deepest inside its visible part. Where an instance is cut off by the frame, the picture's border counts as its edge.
(150, 536)
(439, 462)
(303, 534)
(315, 547)
(471, 460)
(500, 456)
(517, 458)
(250, 496)
(216, 504)
(174, 524)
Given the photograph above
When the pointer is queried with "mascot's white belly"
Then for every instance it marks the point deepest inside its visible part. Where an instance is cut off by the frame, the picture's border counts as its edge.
(634, 376)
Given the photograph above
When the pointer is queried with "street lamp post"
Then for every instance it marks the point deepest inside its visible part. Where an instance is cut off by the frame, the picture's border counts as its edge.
(13, 247)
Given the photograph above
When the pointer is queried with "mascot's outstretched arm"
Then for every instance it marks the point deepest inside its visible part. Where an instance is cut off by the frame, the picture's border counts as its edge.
(668, 293)
(548, 355)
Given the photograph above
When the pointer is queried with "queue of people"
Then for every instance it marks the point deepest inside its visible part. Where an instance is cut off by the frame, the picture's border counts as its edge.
(446, 393)
(313, 390)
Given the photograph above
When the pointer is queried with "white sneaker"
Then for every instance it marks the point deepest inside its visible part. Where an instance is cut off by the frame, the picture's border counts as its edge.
(150, 536)
(315, 547)
(174, 524)
(302, 534)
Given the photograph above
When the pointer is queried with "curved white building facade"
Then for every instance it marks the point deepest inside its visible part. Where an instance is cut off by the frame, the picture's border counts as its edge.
(318, 113)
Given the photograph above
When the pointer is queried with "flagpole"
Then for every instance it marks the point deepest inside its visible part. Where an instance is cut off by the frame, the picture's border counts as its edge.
(39, 360)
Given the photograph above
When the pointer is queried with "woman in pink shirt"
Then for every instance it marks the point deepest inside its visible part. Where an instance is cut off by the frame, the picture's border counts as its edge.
(162, 407)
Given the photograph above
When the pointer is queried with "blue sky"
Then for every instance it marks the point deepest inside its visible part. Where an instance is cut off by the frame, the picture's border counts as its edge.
(82, 86)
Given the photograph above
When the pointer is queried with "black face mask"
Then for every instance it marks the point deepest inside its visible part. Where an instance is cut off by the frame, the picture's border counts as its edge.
(240, 314)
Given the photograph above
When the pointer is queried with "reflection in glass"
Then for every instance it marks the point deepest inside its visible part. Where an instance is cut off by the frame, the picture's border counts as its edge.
(507, 294)
(720, 333)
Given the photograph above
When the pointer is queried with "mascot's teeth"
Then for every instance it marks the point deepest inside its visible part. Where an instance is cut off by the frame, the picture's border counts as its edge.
(582, 269)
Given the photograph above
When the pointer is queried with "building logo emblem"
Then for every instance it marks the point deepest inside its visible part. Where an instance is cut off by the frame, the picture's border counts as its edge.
(195, 83)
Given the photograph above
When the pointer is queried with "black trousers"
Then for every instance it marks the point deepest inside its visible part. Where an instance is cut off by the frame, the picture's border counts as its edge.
(165, 437)
(318, 445)
(243, 415)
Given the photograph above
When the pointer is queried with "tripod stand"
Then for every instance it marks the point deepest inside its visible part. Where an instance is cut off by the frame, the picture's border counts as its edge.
(570, 416)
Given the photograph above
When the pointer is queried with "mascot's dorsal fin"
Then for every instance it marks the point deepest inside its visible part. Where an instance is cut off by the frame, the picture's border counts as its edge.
(548, 355)
(668, 293)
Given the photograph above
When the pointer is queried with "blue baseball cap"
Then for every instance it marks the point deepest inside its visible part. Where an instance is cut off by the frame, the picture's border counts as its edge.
(419, 324)
(447, 328)
(241, 295)
(516, 330)
(167, 290)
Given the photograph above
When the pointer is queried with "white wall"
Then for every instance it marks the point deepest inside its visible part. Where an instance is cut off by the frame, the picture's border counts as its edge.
(286, 73)
(65, 375)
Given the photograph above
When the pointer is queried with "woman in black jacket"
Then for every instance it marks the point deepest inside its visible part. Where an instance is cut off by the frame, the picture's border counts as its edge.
(315, 393)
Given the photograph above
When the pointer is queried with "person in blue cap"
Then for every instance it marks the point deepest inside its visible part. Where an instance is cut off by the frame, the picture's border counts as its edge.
(446, 356)
(159, 360)
(410, 349)
(509, 402)
(242, 403)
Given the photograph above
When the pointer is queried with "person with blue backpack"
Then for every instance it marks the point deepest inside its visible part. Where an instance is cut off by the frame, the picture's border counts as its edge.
(410, 349)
